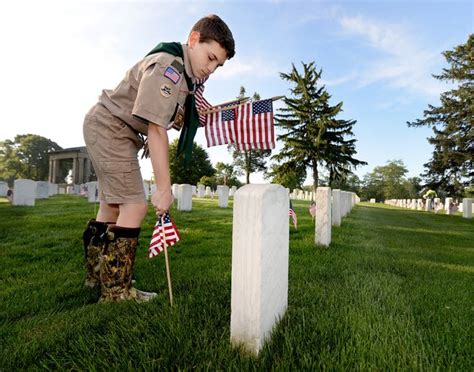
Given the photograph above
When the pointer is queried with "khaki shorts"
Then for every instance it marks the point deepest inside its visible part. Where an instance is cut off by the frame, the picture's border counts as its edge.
(113, 147)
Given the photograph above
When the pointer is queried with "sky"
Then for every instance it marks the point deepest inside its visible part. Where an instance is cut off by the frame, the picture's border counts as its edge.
(377, 57)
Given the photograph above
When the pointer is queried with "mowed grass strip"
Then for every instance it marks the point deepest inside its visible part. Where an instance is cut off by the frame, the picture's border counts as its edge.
(394, 291)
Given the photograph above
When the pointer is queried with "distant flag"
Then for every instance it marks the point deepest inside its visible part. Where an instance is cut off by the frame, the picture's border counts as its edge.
(171, 234)
(293, 216)
(254, 126)
(312, 209)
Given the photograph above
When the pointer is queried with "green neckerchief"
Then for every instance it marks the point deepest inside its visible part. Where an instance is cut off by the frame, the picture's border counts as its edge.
(191, 116)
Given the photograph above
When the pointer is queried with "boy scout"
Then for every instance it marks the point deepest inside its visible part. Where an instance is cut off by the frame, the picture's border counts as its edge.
(154, 95)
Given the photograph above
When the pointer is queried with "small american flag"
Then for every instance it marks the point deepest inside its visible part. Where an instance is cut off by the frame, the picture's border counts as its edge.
(170, 232)
(293, 216)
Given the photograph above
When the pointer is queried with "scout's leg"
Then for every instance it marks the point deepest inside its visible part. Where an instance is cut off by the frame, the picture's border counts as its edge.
(116, 266)
(93, 241)
(132, 214)
(108, 212)
(93, 246)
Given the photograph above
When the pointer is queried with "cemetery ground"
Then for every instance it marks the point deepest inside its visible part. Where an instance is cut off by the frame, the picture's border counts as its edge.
(393, 291)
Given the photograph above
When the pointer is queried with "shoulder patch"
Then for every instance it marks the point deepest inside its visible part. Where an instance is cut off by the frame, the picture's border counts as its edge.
(165, 90)
(172, 74)
(178, 65)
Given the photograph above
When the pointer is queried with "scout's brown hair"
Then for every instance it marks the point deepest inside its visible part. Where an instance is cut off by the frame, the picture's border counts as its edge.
(212, 27)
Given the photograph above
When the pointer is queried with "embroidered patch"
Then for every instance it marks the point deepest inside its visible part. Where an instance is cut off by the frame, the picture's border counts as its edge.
(172, 74)
(165, 90)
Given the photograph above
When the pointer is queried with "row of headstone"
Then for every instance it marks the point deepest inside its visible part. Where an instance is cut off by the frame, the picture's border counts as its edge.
(184, 195)
(301, 195)
(26, 191)
(449, 206)
(202, 191)
(331, 208)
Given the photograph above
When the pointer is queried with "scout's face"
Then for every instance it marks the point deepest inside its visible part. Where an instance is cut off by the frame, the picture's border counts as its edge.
(205, 57)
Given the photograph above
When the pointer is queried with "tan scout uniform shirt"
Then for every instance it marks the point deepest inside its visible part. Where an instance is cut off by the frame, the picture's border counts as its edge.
(146, 94)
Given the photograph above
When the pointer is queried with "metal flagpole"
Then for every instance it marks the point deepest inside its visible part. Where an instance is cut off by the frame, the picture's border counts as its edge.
(168, 275)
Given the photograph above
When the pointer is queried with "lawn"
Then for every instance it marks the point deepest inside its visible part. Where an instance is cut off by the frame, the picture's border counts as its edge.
(394, 291)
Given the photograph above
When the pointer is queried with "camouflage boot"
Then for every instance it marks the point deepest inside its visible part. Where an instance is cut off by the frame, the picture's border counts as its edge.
(116, 266)
(93, 246)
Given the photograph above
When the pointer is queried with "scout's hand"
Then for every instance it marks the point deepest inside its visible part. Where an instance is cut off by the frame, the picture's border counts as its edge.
(162, 201)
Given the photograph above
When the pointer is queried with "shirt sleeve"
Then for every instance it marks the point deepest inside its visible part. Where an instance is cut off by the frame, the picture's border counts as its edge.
(157, 94)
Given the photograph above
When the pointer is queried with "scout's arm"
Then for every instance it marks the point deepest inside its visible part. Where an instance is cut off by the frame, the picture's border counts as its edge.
(159, 154)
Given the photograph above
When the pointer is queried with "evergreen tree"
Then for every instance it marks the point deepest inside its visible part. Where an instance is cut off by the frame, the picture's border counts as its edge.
(451, 165)
(249, 161)
(314, 137)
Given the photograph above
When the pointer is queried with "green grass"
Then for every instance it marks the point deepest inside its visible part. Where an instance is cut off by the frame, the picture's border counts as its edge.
(394, 291)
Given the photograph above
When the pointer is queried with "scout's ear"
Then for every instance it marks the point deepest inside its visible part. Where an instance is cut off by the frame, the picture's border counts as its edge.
(194, 37)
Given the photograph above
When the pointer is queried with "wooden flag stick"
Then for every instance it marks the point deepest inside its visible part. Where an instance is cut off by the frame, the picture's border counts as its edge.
(229, 105)
(219, 108)
(168, 274)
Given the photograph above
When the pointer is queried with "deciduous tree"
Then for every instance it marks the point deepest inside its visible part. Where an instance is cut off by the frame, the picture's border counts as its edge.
(27, 156)
(199, 165)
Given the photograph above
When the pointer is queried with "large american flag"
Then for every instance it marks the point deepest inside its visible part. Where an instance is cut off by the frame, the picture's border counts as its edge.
(254, 126)
(220, 127)
(249, 126)
(170, 232)
(201, 103)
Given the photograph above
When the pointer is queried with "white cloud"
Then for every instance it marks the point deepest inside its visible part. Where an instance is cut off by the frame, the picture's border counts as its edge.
(339, 80)
(403, 63)
(236, 68)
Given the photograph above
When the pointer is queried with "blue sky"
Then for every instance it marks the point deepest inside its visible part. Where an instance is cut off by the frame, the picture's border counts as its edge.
(377, 57)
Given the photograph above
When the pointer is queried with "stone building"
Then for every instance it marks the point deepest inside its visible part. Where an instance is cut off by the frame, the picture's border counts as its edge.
(77, 159)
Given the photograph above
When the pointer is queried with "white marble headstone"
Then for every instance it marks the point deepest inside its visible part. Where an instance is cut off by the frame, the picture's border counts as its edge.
(447, 205)
(467, 208)
(260, 245)
(223, 195)
(185, 198)
(3, 188)
(24, 192)
(175, 190)
(323, 216)
(53, 189)
(92, 192)
(42, 190)
(201, 191)
(336, 207)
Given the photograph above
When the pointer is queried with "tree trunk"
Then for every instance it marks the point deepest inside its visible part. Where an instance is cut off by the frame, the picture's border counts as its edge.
(315, 176)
